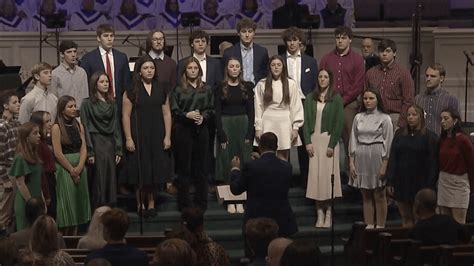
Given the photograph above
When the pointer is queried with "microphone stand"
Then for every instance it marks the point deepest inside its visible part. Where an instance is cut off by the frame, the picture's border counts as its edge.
(466, 86)
(134, 44)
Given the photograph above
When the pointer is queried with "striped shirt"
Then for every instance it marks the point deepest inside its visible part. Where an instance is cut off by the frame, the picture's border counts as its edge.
(434, 102)
(396, 87)
(8, 138)
(349, 73)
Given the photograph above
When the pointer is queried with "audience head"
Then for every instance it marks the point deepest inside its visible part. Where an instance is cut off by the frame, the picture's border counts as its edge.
(192, 72)
(10, 104)
(105, 36)
(294, 39)
(249, 6)
(174, 252)
(259, 232)
(416, 118)
(48, 7)
(156, 41)
(301, 252)
(68, 50)
(198, 41)
(9, 254)
(425, 203)
(223, 46)
(210, 8)
(367, 47)
(268, 142)
(96, 227)
(276, 249)
(246, 29)
(43, 120)
(99, 262)
(115, 222)
(99, 84)
(28, 140)
(387, 51)
(44, 236)
(172, 6)
(372, 100)
(41, 73)
(35, 207)
(435, 74)
(193, 219)
(343, 36)
(128, 7)
(451, 122)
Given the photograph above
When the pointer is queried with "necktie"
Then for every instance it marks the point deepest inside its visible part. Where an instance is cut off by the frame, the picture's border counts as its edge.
(109, 73)
(247, 62)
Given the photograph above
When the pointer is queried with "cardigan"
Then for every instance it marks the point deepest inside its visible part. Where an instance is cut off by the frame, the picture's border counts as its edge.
(332, 119)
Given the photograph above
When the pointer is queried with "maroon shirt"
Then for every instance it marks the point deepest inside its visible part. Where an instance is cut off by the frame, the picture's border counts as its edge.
(456, 156)
(396, 87)
(348, 71)
(49, 166)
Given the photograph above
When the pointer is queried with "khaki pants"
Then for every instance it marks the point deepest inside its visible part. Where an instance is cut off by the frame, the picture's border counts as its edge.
(7, 197)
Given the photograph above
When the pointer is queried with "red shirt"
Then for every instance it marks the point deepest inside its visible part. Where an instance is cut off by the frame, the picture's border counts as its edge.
(456, 156)
(348, 71)
(396, 87)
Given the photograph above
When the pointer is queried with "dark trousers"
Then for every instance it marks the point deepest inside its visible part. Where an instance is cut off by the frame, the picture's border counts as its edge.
(303, 161)
(191, 148)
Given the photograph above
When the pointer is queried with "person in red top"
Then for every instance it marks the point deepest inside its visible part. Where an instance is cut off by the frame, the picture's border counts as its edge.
(456, 165)
(394, 83)
(349, 74)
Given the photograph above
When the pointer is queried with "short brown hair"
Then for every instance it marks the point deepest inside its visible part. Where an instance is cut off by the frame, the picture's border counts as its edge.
(37, 68)
(439, 67)
(343, 30)
(103, 28)
(198, 34)
(259, 233)
(115, 223)
(174, 252)
(292, 33)
(246, 23)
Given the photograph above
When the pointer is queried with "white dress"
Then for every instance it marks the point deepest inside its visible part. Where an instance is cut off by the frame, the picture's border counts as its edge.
(277, 117)
(320, 166)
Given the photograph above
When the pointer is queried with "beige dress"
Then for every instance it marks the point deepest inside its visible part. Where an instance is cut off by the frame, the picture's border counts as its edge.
(320, 166)
(277, 117)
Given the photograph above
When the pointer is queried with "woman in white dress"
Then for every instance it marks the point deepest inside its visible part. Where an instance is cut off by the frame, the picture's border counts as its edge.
(324, 119)
(278, 107)
(369, 149)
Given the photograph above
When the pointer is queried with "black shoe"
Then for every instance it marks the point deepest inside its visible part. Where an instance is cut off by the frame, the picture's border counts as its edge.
(152, 213)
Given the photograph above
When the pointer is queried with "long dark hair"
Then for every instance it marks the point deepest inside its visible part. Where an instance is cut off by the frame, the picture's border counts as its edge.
(457, 127)
(422, 126)
(93, 87)
(240, 80)
(37, 117)
(184, 79)
(330, 89)
(61, 120)
(380, 106)
(268, 93)
(23, 148)
(137, 78)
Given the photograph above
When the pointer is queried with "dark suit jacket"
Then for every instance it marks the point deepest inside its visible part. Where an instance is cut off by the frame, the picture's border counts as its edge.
(289, 15)
(92, 62)
(308, 78)
(260, 59)
(371, 61)
(267, 182)
(119, 254)
(213, 71)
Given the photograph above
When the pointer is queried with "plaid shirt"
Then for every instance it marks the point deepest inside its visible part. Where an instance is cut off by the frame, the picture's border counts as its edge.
(8, 137)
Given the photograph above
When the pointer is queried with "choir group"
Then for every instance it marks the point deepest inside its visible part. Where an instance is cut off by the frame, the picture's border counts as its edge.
(171, 119)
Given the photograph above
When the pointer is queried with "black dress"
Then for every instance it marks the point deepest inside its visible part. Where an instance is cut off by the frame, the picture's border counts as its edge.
(148, 135)
(413, 163)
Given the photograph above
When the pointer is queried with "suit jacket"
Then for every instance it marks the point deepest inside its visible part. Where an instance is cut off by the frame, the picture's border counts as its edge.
(119, 255)
(213, 71)
(308, 79)
(260, 59)
(92, 62)
(267, 182)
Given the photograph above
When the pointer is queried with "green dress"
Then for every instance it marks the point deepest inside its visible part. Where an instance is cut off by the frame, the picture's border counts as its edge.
(32, 174)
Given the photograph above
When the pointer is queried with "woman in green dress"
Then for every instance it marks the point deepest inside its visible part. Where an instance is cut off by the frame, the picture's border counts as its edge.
(26, 169)
(70, 150)
(99, 117)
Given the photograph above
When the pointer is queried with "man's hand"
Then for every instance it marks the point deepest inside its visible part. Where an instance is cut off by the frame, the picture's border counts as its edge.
(235, 163)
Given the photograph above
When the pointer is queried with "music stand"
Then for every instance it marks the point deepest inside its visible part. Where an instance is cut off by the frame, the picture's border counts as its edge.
(56, 22)
(310, 22)
(10, 77)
